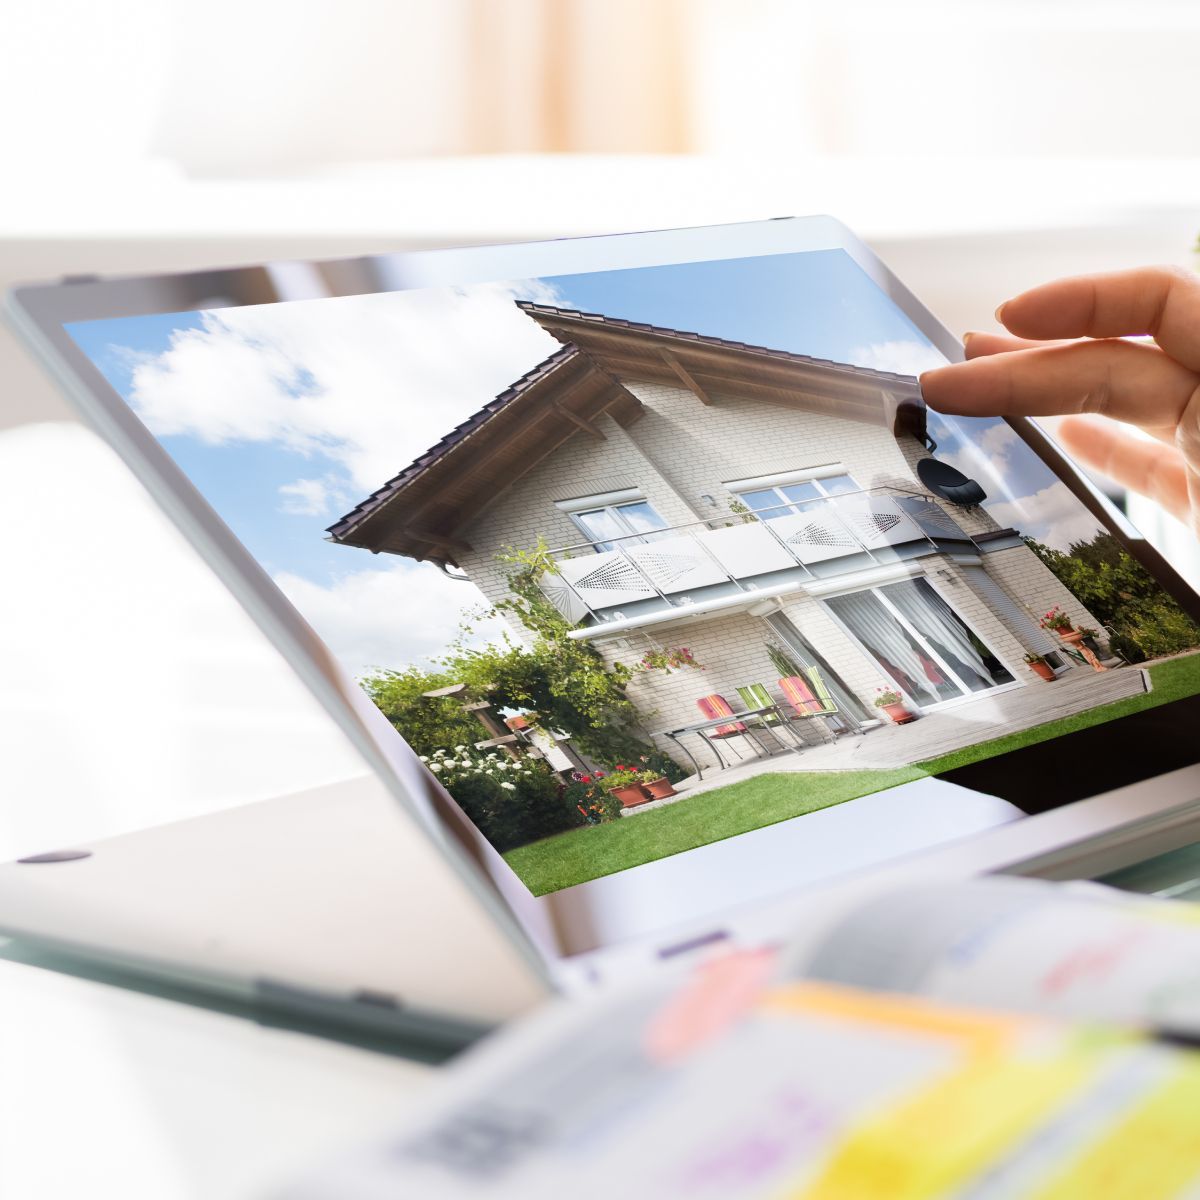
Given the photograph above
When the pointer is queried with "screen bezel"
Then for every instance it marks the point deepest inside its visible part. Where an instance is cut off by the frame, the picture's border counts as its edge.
(648, 902)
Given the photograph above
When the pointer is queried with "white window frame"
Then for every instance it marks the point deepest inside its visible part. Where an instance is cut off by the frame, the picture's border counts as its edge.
(762, 483)
(612, 503)
(783, 478)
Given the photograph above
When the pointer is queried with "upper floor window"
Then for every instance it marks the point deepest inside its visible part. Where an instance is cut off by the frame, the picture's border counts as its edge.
(618, 518)
(784, 495)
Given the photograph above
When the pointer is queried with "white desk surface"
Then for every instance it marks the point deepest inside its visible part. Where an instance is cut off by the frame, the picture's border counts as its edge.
(107, 1093)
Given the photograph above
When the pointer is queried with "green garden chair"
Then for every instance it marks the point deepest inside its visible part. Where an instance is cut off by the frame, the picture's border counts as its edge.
(755, 695)
(828, 705)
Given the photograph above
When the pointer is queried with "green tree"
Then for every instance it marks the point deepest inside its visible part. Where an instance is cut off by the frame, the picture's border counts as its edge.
(1144, 621)
(563, 680)
(427, 725)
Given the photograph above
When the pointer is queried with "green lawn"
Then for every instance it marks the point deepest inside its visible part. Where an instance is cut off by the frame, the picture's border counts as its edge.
(1171, 680)
(583, 854)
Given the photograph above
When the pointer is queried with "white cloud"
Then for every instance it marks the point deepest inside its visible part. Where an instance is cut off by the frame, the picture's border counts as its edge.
(307, 497)
(1052, 515)
(369, 381)
(394, 617)
(900, 357)
(999, 441)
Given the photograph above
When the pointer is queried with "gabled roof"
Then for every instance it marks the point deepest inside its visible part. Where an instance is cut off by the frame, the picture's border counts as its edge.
(511, 393)
(419, 511)
(561, 321)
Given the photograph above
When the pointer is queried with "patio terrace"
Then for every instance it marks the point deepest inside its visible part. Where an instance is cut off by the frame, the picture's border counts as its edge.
(933, 735)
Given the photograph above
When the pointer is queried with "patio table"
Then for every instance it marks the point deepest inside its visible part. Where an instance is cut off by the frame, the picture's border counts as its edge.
(746, 718)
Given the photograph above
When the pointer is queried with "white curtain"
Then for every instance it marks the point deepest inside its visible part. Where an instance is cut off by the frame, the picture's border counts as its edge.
(882, 634)
(935, 621)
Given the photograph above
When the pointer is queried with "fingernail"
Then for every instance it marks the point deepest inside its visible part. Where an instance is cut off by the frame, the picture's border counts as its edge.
(1000, 313)
(968, 336)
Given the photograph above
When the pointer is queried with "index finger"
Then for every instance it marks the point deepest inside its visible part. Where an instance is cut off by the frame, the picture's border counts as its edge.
(1126, 380)
(1163, 302)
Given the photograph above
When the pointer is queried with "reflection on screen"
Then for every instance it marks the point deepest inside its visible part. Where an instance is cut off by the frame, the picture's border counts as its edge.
(646, 559)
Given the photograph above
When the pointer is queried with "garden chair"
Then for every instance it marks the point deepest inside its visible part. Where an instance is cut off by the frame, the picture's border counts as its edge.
(755, 695)
(717, 706)
(810, 697)
(830, 708)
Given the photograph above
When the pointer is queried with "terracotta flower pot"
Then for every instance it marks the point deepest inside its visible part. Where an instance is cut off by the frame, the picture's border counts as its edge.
(899, 714)
(660, 788)
(631, 796)
(1043, 671)
(1071, 636)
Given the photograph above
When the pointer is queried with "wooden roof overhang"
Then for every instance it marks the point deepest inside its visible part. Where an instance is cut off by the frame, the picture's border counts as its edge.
(712, 368)
(421, 512)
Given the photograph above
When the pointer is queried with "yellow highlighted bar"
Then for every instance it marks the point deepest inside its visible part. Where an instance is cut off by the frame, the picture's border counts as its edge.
(1154, 1153)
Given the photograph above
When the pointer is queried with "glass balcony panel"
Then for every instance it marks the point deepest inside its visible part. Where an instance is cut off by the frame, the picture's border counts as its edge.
(933, 519)
(816, 534)
(564, 597)
(877, 520)
(605, 580)
(676, 564)
(746, 550)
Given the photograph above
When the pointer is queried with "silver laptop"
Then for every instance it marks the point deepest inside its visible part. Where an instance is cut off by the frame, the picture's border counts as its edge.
(681, 613)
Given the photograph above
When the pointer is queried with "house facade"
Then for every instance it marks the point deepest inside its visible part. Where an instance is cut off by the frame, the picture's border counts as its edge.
(741, 502)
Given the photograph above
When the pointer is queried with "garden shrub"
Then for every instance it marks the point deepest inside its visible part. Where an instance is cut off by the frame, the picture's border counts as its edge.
(511, 802)
(1155, 630)
(586, 796)
(1142, 620)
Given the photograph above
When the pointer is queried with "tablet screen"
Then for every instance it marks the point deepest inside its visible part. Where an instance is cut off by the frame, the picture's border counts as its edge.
(642, 560)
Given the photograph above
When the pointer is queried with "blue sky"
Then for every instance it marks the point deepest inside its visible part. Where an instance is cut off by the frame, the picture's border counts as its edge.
(286, 415)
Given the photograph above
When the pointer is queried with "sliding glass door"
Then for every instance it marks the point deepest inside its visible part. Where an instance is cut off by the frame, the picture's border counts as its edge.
(919, 642)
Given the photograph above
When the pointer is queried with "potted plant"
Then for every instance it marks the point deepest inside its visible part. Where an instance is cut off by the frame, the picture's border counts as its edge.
(673, 659)
(1040, 667)
(1088, 636)
(1060, 623)
(625, 784)
(893, 704)
(657, 784)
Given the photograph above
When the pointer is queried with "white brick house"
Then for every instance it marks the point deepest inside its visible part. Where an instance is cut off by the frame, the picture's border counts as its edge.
(727, 498)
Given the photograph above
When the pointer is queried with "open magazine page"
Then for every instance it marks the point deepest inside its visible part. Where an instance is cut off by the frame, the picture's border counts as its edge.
(813, 1092)
(1081, 951)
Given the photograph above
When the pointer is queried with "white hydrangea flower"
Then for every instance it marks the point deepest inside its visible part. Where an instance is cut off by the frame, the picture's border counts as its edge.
(460, 748)
(509, 787)
(435, 766)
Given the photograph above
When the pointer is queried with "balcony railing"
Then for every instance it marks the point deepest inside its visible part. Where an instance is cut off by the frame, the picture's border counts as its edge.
(675, 568)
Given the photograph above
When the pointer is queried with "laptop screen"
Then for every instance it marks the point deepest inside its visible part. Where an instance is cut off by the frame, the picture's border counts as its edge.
(643, 560)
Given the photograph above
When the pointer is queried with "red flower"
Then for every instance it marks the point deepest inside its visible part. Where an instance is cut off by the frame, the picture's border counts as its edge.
(585, 779)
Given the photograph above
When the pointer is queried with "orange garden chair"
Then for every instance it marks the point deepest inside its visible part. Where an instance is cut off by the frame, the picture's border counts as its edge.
(810, 697)
(717, 706)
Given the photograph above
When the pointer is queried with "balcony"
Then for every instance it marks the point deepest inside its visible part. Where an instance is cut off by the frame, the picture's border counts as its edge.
(730, 563)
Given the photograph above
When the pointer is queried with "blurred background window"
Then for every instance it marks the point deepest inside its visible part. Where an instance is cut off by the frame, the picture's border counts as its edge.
(237, 87)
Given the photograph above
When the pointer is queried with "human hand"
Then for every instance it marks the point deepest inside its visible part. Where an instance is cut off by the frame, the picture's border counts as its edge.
(1153, 387)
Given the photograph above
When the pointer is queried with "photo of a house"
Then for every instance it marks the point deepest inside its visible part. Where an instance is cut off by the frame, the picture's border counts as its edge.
(688, 557)
(760, 507)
